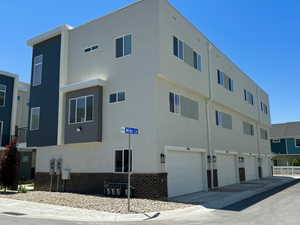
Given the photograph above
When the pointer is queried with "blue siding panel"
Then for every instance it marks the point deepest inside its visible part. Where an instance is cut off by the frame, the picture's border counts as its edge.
(5, 112)
(279, 148)
(292, 149)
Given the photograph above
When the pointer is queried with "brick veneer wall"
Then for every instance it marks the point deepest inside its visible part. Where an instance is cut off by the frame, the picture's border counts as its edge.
(151, 186)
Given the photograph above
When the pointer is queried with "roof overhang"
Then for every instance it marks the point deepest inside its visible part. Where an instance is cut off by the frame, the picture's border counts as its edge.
(5, 73)
(50, 34)
(82, 85)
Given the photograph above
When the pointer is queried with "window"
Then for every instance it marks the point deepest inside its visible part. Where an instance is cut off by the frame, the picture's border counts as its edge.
(122, 161)
(197, 61)
(2, 95)
(117, 97)
(37, 70)
(248, 129)
(263, 134)
(81, 109)
(297, 142)
(91, 49)
(248, 97)
(174, 101)
(225, 81)
(264, 108)
(184, 52)
(1, 132)
(123, 46)
(276, 141)
(223, 120)
(35, 118)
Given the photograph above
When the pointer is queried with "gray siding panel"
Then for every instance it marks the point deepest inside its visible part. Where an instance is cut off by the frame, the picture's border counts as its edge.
(89, 131)
(5, 112)
(46, 95)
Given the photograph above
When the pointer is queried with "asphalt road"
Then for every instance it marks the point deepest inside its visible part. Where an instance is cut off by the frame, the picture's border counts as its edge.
(277, 207)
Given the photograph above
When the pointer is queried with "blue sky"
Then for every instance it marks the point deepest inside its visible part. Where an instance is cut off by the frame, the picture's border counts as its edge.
(261, 36)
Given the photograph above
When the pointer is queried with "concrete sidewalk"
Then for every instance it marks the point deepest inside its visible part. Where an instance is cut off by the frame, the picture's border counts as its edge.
(205, 202)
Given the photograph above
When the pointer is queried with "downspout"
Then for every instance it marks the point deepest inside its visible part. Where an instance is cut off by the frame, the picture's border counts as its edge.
(208, 124)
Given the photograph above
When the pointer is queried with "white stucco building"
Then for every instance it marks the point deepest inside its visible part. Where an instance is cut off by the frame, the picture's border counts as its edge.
(144, 66)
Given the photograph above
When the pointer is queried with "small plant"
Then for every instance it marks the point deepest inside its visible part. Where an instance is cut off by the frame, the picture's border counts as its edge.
(22, 189)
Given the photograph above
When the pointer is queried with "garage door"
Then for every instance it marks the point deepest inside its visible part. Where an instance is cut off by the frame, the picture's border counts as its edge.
(184, 172)
(226, 169)
(251, 168)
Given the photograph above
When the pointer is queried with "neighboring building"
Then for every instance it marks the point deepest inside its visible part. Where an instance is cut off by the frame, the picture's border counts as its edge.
(14, 108)
(144, 66)
(285, 143)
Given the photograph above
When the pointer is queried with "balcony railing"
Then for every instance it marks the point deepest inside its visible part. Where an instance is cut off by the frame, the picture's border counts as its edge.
(286, 170)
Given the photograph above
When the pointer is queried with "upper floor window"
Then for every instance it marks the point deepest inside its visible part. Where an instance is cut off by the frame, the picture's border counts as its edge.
(123, 46)
(37, 70)
(184, 106)
(91, 49)
(263, 134)
(225, 81)
(297, 143)
(1, 132)
(2, 95)
(264, 108)
(117, 97)
(223, 120)
(248, 96)
(81, 109)
(184, 52)
(277, 140)
(248, 129)
(35, 118)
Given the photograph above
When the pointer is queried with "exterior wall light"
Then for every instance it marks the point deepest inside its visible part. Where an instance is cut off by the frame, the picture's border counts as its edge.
(162, 158)
(79, 129)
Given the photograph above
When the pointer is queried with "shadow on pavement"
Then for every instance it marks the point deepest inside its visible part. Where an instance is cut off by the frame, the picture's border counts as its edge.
(239, 206)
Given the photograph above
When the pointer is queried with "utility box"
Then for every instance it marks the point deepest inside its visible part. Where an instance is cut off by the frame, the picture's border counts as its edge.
(66, 174)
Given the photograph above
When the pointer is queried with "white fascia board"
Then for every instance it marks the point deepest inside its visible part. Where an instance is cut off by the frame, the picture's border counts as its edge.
(82, 85)
(48, 35)
(184, 149)
(9, 74)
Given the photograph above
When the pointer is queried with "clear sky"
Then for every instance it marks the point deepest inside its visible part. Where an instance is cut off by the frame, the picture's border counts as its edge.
(261, 36)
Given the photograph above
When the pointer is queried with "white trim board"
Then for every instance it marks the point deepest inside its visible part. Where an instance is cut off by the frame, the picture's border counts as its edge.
(82, 85)
(184, 149)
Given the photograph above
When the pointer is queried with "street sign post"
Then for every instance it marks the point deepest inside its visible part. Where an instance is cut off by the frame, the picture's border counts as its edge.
(130, 131)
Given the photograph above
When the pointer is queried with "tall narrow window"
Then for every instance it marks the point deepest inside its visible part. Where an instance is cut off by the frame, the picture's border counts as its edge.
(35, 118)
(180, 49)
(174, 102)
(81, 109)
(2, 95)
(37, 70)
(175, 46)
(124, 46)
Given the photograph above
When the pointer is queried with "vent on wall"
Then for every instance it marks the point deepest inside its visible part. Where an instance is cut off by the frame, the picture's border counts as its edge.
(91, 49)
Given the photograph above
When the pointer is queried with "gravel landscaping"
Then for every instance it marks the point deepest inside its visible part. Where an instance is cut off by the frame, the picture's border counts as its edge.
(113, 205)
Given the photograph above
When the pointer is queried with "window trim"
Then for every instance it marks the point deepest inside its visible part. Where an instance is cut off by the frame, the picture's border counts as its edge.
(1, 132)
(85, 121)
(31, 118)
(114, 160)
(35, 64)
(123, 50)
(117, 95)
(4, 91)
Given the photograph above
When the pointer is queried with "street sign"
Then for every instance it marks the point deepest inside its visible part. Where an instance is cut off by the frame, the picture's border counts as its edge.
(129, 130)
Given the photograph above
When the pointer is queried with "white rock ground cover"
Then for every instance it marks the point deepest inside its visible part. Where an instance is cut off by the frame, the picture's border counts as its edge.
(95, 202)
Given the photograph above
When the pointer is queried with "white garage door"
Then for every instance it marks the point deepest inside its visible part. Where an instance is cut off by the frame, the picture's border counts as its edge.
(184, 172)
(251, 168)
(226, 169)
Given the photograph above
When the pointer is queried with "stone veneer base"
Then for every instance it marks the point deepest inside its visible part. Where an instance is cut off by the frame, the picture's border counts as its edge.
(150, 186)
